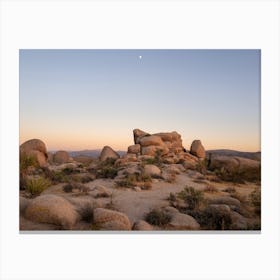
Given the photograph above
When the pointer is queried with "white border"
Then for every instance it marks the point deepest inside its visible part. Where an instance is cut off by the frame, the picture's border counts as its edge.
(155, 24)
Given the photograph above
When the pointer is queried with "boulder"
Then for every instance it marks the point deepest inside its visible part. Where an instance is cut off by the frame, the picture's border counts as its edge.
(61, 157)
(181, 221)
(35, 148)
(225, 200)
(138, 134)
(142, 225)
(106, 219)
(52, 209)
(151, 141)
(108, 152)
(152, 150)
(23, 203)
(238, 221)
(197, 149)
(152, 170)
(50, 157)
(34, 144)
(100, 191)
(134, 149)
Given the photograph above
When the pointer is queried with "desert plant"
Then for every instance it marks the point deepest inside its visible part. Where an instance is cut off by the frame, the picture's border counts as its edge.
(201, 166)
(107, 172)
(255, 200)
(172, 197)
(67, 188)
(213, 219)
(133, 180)
(36, 185)
(192, 197)
(26, 162)
(158, 217)
(156, 160)
(86, 212)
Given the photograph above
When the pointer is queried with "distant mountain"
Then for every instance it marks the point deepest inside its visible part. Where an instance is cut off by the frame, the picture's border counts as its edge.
(225, 152)
(90, 153)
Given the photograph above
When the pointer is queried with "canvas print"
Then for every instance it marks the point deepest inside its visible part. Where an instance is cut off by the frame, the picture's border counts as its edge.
(160, 140)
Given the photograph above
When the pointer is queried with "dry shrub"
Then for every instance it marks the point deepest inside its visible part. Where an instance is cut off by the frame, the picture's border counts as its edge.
(255, 200)
(193, 198)
(158, 217)
(36, 185)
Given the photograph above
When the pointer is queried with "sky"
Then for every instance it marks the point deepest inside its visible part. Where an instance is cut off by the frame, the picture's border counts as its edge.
(86, 99)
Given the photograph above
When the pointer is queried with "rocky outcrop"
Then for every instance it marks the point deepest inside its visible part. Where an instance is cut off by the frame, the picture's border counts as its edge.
(197, 149)
(246, 168)
(108, 152)
(61, 157)
(163, 143)
(106, 219)
(35, 148)
(52, 209)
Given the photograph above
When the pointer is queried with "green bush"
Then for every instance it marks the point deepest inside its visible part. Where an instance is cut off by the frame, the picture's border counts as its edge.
(193, 198)
(158, 217)
(26, 161)
(36, 185)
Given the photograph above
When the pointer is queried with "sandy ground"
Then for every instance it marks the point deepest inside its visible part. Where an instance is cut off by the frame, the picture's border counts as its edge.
(135, 204)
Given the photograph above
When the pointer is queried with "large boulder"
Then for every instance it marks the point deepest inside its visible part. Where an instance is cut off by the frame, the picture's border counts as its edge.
(61, 157)
(152, 170)
(106, 219)
(152, 150)
(247, 168)
(138, 134)
(151, 141)
(35, 148)
(181, 221)
(108, 152)
(52, 209)
(134, 149)
(197, 149)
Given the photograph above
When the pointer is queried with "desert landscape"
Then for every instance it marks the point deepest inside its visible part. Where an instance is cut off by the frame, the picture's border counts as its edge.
(156, 185)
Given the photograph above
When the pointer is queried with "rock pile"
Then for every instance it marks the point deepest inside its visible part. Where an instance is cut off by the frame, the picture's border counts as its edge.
(148, 144)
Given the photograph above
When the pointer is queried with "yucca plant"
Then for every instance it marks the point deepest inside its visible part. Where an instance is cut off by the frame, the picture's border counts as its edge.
(36, 185)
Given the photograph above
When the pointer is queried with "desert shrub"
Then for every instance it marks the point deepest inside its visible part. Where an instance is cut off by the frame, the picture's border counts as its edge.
(201, 166)
(133, 179)
(230, 190)
(36, 185)
(158, 217)
(86, 179)
(86, 212)
(193, 198)
(255, 200)
(210, 189)
(238, 176)
(212, 218)
(67, 188)
(172, 197)
(156, 160)
(69, 170)
(107, 172)
(26, 162)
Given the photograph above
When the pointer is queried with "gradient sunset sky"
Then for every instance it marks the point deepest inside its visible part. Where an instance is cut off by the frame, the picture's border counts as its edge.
(86, 99)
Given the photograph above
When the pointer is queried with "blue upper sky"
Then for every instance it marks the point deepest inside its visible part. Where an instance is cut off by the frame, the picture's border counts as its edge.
(83, 99)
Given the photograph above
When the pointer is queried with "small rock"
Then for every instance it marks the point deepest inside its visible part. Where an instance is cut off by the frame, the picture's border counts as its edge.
(142, 225)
